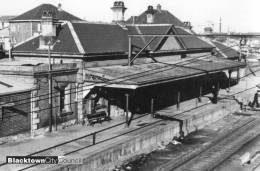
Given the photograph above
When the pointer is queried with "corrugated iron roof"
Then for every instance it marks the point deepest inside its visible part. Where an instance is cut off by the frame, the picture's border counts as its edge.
(158, 73)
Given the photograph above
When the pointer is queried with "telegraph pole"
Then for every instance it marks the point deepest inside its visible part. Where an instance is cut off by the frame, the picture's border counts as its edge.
(220, 25)
(50, 87)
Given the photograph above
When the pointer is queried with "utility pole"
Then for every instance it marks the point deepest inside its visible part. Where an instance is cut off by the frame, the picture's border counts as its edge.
(50, 87)
(220, 25)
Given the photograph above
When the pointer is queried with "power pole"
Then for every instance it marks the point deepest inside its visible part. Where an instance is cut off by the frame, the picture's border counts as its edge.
(220, 25)
(50, 87)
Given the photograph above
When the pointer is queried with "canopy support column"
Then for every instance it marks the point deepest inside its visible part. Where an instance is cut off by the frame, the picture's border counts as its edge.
(127, 110)
(178, 100)
(152, 107)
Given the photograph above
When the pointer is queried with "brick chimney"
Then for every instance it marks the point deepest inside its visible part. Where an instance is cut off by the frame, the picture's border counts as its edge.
(118, 12)
(48, 28)
(59, 7)
(150, 14)
(159, 8)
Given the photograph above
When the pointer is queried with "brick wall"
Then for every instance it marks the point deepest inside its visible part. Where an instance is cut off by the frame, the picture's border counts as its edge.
(43, 102)
(15, 115)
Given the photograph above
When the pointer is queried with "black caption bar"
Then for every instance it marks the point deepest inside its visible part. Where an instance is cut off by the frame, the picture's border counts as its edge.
(32, 159)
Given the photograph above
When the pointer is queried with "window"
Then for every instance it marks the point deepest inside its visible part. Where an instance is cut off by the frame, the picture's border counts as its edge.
(39, 27)
(65, 99)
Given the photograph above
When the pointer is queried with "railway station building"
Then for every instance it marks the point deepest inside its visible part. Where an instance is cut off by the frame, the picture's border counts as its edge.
(120, 69)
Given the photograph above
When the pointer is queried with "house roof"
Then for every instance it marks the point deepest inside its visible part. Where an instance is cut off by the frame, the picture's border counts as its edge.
(160, 17)
(6, 17)
(36, 14)
(225, 51)
(156, 73)
(101, 38)
(88, 39)
(191, 42)
(141, 41)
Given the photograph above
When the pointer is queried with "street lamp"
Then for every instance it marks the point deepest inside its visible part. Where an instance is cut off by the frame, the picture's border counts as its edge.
(50, 87)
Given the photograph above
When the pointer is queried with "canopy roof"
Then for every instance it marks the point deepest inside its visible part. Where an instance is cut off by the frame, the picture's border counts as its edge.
(132, 77)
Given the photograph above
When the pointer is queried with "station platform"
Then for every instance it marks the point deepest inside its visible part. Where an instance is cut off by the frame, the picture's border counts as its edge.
(119, 142)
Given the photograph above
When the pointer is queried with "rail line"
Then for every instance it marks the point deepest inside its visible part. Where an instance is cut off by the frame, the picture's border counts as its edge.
(92, 141)
(209, 156)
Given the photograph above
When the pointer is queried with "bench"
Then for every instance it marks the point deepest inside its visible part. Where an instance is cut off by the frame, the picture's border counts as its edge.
(97, 117)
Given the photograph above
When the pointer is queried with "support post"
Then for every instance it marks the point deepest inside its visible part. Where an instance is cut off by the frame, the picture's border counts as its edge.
(218, 86)
(200, 94)
(108, 108)
(127, 109)
(94, 138)
(238, 75)
(229, 80)
(178, 100)
(152, 107)
(129, 50)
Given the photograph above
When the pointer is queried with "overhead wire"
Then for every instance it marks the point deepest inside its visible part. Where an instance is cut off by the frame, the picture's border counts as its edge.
(118, 78)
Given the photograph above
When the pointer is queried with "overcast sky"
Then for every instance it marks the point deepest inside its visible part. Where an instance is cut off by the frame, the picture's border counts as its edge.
(237, 15)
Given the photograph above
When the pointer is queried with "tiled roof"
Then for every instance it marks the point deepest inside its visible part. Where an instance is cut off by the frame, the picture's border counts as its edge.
(66, 43)
(225, 51)
(191, 42)
(101, 38)
(148, 29)
(160, 17)
(90, 39)
(36, 13)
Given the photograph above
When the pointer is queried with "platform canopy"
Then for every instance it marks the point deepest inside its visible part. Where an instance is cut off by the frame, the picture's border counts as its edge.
(133, 77)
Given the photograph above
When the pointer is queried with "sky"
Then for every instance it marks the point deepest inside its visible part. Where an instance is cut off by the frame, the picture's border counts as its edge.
(237, 15)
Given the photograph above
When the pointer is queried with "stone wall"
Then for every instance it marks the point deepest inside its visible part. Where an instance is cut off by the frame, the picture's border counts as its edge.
(147, 140)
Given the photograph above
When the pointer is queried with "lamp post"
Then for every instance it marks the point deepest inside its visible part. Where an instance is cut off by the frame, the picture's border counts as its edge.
(50, 89)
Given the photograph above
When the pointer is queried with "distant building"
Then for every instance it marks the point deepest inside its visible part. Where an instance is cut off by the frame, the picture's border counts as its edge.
(4, 32)
(30, 23)
(157, 16)
(4, 21)
(208, 30)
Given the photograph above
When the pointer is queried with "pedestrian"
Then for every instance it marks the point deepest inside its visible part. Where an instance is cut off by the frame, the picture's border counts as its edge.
(255, 102)
(215, 92)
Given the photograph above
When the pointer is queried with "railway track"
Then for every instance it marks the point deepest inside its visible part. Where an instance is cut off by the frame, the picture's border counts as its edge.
(219, 149)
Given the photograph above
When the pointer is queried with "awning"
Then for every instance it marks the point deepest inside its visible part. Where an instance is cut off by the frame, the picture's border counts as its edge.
(132, 77)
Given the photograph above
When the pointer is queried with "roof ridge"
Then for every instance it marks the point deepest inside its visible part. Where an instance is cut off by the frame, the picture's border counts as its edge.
(27, 40)
(76, 38)
(35, 13)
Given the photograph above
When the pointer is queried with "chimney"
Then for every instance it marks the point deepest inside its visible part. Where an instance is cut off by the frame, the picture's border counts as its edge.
(187, 24)
(118, 12)
(48, 30)
(159, 8)
(150, 15)
(59, 7)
